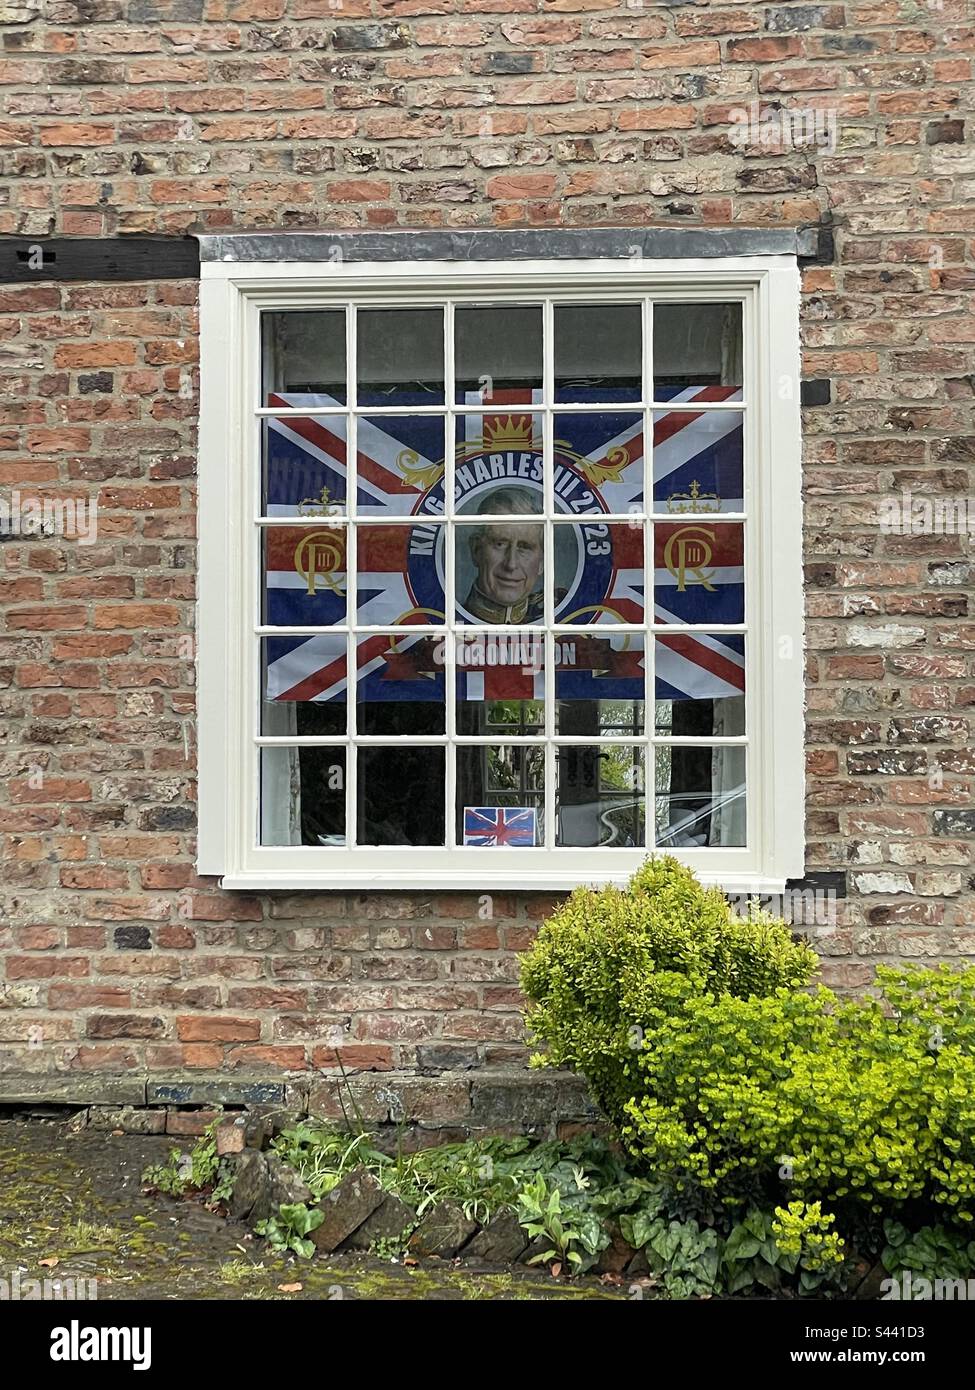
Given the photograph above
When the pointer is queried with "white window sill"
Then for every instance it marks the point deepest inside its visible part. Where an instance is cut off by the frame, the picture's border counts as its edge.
(547, 881)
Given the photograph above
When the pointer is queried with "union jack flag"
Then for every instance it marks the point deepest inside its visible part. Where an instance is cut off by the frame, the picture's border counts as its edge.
(499, 825)
(698, 567)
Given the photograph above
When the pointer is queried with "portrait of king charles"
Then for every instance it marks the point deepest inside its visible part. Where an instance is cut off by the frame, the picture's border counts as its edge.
(508, 558)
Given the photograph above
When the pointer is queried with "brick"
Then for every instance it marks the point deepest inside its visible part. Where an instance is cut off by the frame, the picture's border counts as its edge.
(359, 191)
(124, 1026)
(66, 133)
(116, 354)
(372, 1057)
(684, 55)
(135, 615)
(521, 186)
(655, 118)
(217, 1029)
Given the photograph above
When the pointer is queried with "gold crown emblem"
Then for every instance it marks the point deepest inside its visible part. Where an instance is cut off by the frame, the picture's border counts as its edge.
(322, 505)
(694, 500)
(510, 432)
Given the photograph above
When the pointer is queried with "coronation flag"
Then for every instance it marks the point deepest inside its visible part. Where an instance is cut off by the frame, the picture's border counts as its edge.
(600, 579)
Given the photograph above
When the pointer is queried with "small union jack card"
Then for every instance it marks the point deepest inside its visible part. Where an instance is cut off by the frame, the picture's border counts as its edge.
(499, 825)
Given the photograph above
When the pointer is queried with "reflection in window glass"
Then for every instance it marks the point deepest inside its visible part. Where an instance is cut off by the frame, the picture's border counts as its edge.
(400, 357)
(304, 685)
(600, 795)
(500, 795)
(384, 511)
(500, 682)
(401, 683)
(498, 353)
(400, 795)
(700, 796)
(599, 684)
(695, 345)
(304, 355)
(303, 796)
(700, 680)
(598, 352)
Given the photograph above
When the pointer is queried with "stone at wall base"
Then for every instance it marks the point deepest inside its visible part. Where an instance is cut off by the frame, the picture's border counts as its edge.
(443, 1231)
(387, 1222)
(345, 1209)
(501, 1241)
(407, 1109)
(250, 1183)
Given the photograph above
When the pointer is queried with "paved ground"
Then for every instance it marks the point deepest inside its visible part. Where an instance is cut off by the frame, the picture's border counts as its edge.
(71, 1206)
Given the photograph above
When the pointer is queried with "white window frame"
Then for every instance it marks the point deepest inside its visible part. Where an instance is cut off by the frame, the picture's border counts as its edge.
(232, 295)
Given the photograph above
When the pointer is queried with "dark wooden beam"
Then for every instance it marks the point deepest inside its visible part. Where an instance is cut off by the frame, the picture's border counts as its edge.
(27, 260)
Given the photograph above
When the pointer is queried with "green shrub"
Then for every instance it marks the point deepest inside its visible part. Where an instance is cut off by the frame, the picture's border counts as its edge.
(608, 968)
(734, 1084)
(839, 1101)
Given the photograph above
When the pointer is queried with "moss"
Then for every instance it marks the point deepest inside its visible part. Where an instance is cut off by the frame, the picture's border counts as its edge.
(77, 1197)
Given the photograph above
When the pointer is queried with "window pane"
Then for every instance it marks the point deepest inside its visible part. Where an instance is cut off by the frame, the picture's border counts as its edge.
(303, 796)
(304, 356)
(599, 572)
(304, 465)
(590, 572)
(698, 461)
(401, 796)
(500, 682)
(500, 795)
(600, 796)
(498, 465)
(500, 571)
(304, 685)
(700, 796)
(400, 464)
(700, 682)
(304, 575)
(695, 345)
(401, 684)
(598, 352)
(400, 357)
(497, 353)
(600, 684)
(699, 572)
(598, 462)
(400, 574)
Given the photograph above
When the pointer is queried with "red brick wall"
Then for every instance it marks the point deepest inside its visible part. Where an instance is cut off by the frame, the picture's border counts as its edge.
(169, 116)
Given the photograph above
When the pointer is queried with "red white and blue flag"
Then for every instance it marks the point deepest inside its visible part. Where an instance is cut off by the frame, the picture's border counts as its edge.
(499, 825)
(698, 567)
